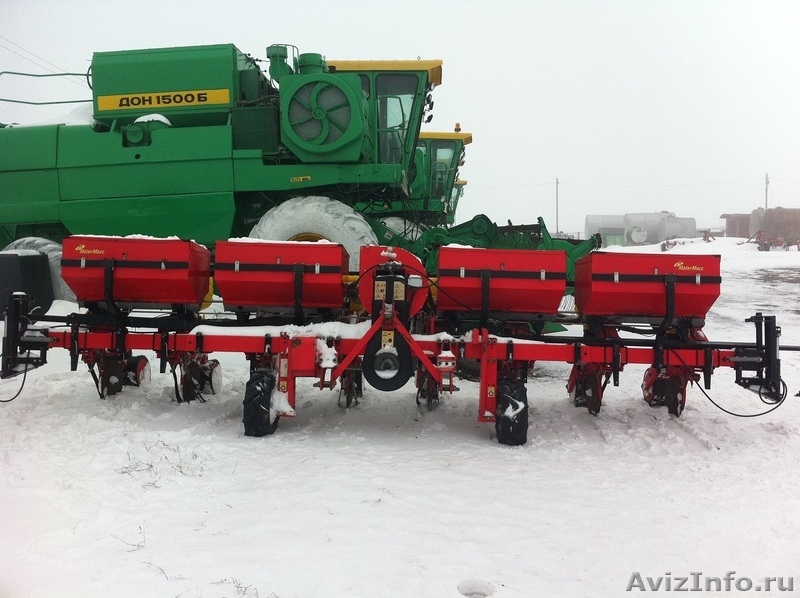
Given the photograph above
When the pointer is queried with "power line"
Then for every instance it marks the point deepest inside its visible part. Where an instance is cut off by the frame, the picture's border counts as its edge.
(785, 181)
(661, 186)
(617, 186)
(26, 58)
(32, 54)
(39, 58)
(511, 186)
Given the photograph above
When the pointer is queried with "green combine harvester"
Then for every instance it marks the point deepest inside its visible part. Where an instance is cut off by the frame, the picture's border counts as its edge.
(199, 143)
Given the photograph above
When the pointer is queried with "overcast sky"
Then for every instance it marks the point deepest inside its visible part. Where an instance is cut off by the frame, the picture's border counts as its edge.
(634, 106)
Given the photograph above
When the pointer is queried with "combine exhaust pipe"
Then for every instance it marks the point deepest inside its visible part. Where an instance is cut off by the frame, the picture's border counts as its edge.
(278, 67)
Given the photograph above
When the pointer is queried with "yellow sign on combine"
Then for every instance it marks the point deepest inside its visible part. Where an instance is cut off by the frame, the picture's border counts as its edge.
(171, 99)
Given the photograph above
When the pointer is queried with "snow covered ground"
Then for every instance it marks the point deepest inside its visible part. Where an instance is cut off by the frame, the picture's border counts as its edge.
(141, 496)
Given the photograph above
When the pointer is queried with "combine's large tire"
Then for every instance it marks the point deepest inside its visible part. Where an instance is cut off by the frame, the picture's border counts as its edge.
(408, 229)
(313, 218)
(53, 252)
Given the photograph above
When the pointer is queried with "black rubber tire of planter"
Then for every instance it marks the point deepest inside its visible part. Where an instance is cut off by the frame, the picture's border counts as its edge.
(511, 419)
(257, 394)
(137, 371)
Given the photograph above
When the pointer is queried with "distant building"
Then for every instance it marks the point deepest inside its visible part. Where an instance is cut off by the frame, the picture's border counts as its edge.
(737, 225)
(611, 229)
(774, 223)
(777, 223)
(640, 228)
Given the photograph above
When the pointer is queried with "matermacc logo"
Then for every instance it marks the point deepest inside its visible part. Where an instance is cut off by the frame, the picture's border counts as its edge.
(83, 250)
(681, 266)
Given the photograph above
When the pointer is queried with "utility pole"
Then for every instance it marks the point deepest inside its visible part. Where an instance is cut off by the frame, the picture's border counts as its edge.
(557, 205)
(766, 194)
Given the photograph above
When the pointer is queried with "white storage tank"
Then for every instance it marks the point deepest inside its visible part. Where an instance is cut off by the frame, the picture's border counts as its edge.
(677, 228)
(642, 228)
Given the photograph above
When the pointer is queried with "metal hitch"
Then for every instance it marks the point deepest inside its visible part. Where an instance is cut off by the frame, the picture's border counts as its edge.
(762, 359)
(24, 346)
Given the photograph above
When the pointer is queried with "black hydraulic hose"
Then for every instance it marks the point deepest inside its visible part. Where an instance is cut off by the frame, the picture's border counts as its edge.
(21, 386)
(775, 403)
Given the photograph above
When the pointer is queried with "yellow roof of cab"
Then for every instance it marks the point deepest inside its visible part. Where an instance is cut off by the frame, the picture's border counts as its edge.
(464, 137)
(434, 67)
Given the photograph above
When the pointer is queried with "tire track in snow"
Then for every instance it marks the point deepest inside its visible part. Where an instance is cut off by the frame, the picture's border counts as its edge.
(626, 429)
(671, 433)
(692, 431)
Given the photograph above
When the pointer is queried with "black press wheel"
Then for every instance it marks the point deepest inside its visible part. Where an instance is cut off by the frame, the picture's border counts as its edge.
(387, 369)
(511, 419)
(256, 413)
